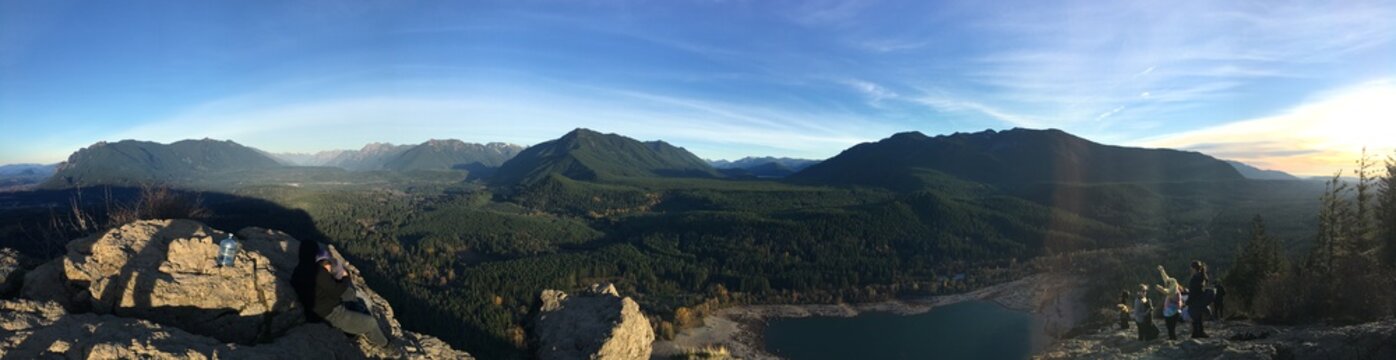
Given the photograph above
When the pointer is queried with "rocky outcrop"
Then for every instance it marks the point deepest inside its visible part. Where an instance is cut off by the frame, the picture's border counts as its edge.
(1237, 340)
(152, 289)
(597, 324)
(10, 271)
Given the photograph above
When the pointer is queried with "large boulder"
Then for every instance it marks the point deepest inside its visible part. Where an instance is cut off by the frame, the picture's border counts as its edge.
(598, 324)
(31, 329)
(164, 271)
(10, 270)
(156, 284)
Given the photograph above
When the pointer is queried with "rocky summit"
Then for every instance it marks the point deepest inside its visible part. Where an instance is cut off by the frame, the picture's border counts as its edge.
(151, 289)
(597, 324)
(1236, 340)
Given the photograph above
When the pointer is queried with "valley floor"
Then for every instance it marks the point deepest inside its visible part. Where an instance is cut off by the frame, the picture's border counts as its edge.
(1054, 299)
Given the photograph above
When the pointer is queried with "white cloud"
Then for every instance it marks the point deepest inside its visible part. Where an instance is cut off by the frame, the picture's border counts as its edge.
(1316, 138)
(711, 129)
(1107, 114)
(1068, 63)
(944, 102)
(874, 92)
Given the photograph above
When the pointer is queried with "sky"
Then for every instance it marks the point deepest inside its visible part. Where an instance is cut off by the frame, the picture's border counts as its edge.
(1299, 86)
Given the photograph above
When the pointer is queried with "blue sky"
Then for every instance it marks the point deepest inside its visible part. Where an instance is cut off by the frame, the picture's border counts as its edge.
(1297, 86)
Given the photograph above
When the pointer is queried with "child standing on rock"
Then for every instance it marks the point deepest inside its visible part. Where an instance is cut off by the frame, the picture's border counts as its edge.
(1144, 315)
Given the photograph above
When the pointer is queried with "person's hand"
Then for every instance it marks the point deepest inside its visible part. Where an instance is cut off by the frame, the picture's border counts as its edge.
(340, 272)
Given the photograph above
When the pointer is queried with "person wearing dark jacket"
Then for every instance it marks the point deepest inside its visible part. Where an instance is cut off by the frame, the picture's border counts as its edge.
(1197, 302)
(1218, 303)
(336, 302)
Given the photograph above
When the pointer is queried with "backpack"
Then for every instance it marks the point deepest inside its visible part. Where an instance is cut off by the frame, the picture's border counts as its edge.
(1206, 297)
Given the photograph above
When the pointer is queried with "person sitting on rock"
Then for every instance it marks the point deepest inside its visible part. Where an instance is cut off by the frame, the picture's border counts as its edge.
(337, 303)
(1172, 302)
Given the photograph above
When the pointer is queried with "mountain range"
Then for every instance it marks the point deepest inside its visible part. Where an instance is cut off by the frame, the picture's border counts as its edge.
(321, 158)
(23, 176)
(430, 155)
(761, 167)
(908, 161)
(592, 156)
(131, 162)
(1255, 173)
(904, 161)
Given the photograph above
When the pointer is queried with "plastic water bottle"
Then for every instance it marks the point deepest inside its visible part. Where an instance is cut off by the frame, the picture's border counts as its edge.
(227, 250)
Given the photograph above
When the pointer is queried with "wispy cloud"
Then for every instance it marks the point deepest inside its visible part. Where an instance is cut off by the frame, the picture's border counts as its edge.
(827, 12)
(947, 103)
(1316, 138)
(874, 92)
(1079, 60)
(711, 129)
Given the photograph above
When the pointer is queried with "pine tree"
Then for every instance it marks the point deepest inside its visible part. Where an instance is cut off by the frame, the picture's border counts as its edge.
(1333, 225)
(1259, 259)
(1386, 210)
(1362, 231)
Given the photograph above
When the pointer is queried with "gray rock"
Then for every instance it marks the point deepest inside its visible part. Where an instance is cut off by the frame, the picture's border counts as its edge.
(598, 324)
(10, 270)
(1375, 340)
(155, 284)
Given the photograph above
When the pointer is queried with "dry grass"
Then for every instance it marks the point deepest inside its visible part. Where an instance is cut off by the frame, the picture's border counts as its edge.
(156, 203)
(79, 219)
(705, 352)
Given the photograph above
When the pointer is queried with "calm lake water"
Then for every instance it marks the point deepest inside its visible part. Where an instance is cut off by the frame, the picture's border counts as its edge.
(967, 330)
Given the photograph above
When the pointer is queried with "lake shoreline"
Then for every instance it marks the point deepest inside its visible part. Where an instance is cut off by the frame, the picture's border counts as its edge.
(1054, 299)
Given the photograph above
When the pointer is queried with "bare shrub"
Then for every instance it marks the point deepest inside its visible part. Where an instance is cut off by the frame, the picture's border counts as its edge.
(157, 202)
(81, 218)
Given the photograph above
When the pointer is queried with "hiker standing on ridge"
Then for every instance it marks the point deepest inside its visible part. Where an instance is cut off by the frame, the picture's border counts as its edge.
(1198, 301)
(1172, 302)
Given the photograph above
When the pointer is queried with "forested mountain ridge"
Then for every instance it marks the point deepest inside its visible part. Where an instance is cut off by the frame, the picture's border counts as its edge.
(1012, 156)
(451, 154)
(1255, 173)
(754, 161)
(762, 167)
(130, 162)
(435, 154)
(591, 156)
(371, 157)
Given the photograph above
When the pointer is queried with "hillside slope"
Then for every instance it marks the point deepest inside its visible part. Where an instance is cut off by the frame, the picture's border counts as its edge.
(1255, 173)
(1011, 156)
(370, 157)
(451, 154)
(591, 156)
(131, 162)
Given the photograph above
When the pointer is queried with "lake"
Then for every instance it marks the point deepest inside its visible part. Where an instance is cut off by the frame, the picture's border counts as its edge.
(966, 330)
